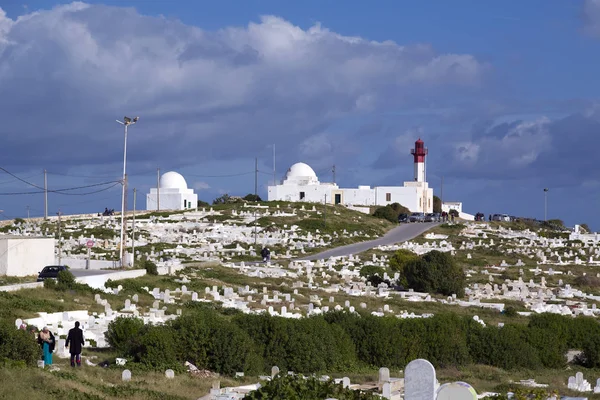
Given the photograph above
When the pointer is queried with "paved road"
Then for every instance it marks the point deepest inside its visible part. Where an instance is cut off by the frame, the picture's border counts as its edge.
(399, 234)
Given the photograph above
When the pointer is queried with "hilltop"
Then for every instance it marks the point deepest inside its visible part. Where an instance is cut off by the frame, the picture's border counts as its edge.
(512, 274)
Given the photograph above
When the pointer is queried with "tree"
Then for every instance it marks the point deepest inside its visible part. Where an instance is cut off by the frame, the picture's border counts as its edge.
(435, 272)
(398, 261)
(585, 227)
(202, 204)
(224, 199)
(252, 197)
(391, 212)
(437, 204)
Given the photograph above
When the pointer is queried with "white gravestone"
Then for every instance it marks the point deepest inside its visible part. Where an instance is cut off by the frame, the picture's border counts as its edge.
(456, 391)
(170, 374)
(126, 375)
(419, 380)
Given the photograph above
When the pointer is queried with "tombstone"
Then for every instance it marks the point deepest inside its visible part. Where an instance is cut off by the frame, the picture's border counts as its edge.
(169, 374)
(135, 298)
(127, 304)
(18, 323)
(274, 371)
(419, 380)
(346, 382)
(386, 391)
(194, 296)
(126, 375)
(384, 375)
(456, 391)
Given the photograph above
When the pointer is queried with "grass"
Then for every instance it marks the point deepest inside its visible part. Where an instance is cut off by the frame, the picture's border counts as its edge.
(93, 383)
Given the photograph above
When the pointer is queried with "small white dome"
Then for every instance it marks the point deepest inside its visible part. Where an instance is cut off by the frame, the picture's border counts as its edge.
(173, 180)
(301, 170)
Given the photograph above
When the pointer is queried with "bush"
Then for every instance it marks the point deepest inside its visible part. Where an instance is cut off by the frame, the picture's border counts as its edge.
(391, 212)
(150, 267)
(398, 261)
(17, 345)
(252, 197)
(122, 332)
(435, 272)
(299, 387)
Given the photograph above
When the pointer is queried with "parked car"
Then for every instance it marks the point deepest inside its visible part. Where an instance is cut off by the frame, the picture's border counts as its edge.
(429, 217)
(417, 217)
(438, 217)
(402, 218)
(50, 272)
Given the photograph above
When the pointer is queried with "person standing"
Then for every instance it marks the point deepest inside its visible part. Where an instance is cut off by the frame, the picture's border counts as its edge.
(47, 341)
(74, 342)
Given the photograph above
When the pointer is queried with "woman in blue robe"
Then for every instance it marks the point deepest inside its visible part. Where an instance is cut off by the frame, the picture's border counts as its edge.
(47, 341)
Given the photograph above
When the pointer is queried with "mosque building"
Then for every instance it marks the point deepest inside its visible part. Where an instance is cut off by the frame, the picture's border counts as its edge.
(302, 184)
(172, 194)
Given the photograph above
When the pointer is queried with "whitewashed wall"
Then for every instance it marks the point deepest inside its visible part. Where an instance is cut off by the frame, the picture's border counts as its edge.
(25, 256)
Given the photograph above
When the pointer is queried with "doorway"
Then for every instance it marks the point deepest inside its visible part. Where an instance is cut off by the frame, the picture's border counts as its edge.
(338, 198)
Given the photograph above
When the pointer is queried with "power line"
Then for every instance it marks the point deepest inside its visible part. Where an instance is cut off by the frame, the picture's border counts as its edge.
(61, 191)
(220, 176)
(58, 191)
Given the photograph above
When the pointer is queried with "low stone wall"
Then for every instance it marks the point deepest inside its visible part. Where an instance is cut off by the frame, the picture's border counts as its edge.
(19, 286)
(98, 281)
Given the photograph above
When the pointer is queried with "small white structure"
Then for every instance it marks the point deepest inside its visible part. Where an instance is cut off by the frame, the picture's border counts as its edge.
(25, 255)
(173, 194)
(302, 184)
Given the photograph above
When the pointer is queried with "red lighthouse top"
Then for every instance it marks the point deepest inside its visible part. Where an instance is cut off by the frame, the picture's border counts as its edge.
(419, 152)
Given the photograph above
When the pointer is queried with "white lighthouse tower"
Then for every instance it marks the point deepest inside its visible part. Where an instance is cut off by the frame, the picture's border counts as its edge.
(419, 153)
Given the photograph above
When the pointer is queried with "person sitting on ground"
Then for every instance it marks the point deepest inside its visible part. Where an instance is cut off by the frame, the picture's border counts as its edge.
(74, 342)
(47, 341)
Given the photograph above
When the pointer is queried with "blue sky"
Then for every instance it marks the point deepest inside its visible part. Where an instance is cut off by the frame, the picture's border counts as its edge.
(504, 94)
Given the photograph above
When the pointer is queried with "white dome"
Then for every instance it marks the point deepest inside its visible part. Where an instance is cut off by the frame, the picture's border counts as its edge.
(173, 180)
(301, 170)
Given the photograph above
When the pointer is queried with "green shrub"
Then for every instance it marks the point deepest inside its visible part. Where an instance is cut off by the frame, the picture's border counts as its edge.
(122, 333)
(298, 387)
(17, 345)
(150, 267)
(435, 272)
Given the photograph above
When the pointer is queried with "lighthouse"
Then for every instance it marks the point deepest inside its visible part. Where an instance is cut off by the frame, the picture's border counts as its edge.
(419, 153)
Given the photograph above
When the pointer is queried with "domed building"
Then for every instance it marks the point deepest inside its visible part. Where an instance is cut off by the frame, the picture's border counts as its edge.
(172, 194)
(302, 184)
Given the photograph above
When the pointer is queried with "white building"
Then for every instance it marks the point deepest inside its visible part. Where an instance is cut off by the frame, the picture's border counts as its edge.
(302, 184)
(173, 194)
(25, 255)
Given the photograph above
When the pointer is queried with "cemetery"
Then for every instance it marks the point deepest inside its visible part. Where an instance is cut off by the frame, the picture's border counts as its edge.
(501, 306)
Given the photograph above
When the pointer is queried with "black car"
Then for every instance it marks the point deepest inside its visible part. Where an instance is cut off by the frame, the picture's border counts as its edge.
(403, 218)
(51, 272)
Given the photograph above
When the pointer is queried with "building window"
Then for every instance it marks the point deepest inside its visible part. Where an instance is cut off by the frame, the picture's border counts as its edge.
(302, 195)
(428, 202)
(388, 197)
(420, 202)
(184, 203)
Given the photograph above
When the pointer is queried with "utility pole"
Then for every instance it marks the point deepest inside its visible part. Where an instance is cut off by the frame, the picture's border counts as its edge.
(325, 212)
(45, 195)
(59, 239)
(545, 204)
(274, 174)
(333, 170)
(255, 194)
(133, 229)
(157, 189)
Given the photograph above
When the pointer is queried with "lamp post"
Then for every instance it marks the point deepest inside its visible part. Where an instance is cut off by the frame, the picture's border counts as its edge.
(126, 122)
(545, 204)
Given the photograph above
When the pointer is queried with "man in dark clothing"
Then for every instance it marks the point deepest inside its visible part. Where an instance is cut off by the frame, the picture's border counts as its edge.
(266, 254)
(74, 342)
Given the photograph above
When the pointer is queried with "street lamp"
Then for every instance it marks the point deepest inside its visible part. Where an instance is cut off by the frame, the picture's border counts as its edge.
(126, 122)
(545, 204)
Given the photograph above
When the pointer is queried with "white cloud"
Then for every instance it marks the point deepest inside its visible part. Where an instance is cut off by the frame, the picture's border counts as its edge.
(201, 186)
(591, 17)
(67, 73)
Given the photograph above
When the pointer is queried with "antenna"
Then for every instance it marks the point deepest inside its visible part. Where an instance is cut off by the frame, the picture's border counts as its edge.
(333, 171)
